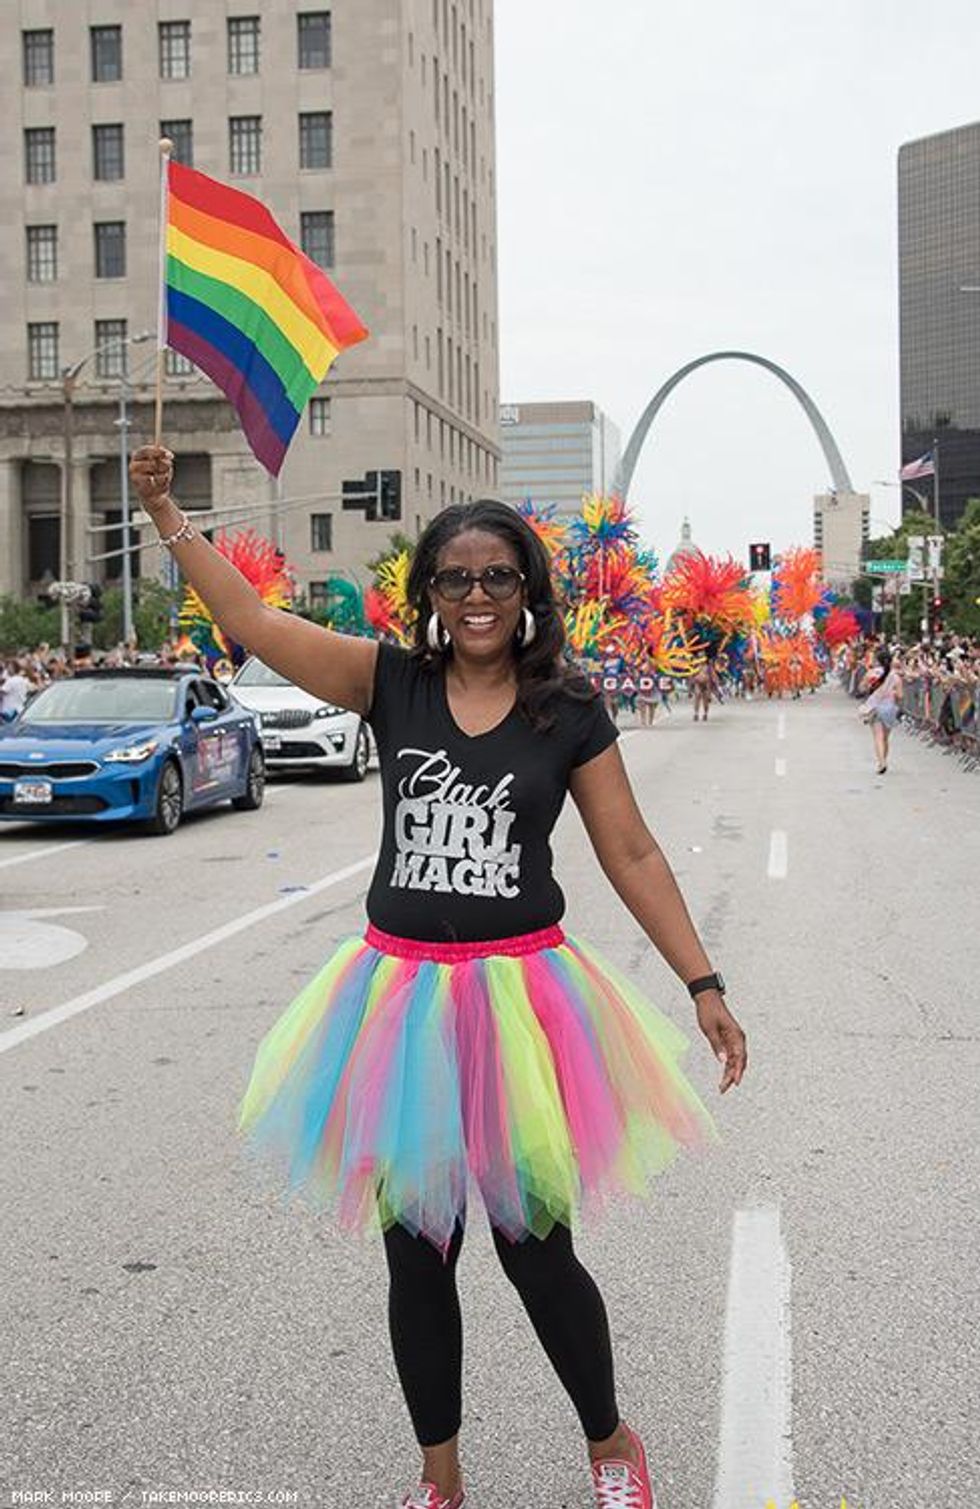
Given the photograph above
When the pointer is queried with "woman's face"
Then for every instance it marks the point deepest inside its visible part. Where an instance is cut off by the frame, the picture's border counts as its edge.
(480, 626)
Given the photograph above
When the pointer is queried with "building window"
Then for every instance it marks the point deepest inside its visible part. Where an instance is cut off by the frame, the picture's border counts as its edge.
(110, 348)
(43, 545)
(313, 39)
(245, 144)
(38, 57)
(106, 42)
(175, 49)
(42, 350)
(181, 133)
(176, 364)
(108, 157)
(110, 248)
(321, 531)
(316, 139)
(316, 234)
(42, 253)
(243, 44)
(320, 422)
(39, 154)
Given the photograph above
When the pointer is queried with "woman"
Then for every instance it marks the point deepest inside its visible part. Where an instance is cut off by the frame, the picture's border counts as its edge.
(882, 707)
(464, 1036)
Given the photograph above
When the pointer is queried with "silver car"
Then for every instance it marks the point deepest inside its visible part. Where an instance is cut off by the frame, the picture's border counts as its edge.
(298, 730)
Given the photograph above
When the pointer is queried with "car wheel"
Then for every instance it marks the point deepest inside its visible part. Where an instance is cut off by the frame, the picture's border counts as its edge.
(251, 798)
(357, 769)
(170, 801)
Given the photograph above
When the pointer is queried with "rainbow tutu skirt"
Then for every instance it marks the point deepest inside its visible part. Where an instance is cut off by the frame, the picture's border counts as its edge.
(529, 1065)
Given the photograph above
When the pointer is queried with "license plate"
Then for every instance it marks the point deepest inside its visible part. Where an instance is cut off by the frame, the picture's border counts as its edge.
(271, 741)
(32, 792)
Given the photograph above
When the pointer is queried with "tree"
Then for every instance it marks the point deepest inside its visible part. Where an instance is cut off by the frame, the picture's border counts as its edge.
(961, 587)
(24, 624)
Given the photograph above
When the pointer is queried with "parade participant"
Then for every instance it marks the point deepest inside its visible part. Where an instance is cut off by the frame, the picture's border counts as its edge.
(646, 700)
(881, 708)
(465, 1037)
(702, 687)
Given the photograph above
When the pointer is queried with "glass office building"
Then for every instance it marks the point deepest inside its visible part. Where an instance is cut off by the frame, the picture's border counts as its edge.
(939, 314)
(555, 453)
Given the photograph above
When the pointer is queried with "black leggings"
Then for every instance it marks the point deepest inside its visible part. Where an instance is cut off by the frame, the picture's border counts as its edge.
(561, 1299)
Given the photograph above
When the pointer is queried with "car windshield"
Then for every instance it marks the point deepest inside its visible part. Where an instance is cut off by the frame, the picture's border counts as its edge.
(256, 673)
(123, 699)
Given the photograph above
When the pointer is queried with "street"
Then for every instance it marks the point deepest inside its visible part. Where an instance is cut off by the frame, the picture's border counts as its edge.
(795, 1313)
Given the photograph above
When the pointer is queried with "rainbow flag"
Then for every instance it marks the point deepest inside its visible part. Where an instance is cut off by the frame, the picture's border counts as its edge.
(245, 305)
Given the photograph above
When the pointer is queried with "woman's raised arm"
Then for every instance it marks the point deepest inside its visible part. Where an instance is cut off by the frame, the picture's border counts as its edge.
(337, 667)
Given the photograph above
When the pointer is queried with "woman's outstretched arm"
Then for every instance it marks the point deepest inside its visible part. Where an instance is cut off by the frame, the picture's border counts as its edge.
(337, 667)
(643, 880)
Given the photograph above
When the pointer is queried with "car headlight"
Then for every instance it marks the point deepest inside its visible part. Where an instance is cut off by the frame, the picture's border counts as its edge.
(327, 711)
(134, 752)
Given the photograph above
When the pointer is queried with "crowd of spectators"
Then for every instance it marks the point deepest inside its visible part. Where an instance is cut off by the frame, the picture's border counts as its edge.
(940, 684)
(29, 671)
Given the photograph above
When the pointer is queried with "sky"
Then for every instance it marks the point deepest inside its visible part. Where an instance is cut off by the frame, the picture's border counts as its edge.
(676, 179)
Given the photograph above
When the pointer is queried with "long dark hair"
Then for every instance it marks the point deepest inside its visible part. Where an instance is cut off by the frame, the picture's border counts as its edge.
(543, 671)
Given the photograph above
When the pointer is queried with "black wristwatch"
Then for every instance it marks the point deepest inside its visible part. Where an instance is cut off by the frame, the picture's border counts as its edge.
(706, 982)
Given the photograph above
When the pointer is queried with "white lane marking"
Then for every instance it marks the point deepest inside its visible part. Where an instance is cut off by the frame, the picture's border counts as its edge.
(23, 859)
(778, 855)
(157, 966)
(781, 726)
(780, 767)
(755, 1450)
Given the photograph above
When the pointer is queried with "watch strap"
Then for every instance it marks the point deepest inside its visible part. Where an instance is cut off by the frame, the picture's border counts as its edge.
(706, 982)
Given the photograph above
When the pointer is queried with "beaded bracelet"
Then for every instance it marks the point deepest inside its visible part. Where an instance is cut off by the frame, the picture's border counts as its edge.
(185, 532)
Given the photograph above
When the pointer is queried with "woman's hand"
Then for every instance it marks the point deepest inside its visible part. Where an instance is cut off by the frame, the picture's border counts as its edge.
(725, 1036)
(151, 471)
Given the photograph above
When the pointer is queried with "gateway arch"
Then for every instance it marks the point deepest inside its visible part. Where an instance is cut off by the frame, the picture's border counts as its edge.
(840, 480)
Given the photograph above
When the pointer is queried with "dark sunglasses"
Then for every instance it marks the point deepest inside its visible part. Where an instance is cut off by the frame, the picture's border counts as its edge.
(456, 582)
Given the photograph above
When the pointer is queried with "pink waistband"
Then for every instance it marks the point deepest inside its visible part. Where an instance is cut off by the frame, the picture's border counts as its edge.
(458, 953)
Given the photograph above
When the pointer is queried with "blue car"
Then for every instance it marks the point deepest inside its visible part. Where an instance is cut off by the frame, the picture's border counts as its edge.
(142, 745)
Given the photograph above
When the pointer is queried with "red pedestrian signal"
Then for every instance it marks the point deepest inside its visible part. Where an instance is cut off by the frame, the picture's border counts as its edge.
(760, 557)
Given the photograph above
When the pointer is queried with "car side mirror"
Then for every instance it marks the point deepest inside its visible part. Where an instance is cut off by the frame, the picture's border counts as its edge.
(203, 714)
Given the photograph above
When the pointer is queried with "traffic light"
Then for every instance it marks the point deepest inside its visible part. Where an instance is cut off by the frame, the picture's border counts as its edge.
(91, 613)
(379, 496)
(760, 557)
(391, 495)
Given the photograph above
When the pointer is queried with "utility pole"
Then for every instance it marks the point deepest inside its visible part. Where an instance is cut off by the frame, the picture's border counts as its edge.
(69, 377)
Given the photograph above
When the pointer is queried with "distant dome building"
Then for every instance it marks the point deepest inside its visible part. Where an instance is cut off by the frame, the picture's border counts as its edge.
(686, 545)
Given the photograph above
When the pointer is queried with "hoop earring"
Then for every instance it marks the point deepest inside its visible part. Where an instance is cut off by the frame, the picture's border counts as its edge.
(436, 637)
(527, 628)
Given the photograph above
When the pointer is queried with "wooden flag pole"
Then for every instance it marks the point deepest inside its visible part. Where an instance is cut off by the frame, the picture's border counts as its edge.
(166, 147)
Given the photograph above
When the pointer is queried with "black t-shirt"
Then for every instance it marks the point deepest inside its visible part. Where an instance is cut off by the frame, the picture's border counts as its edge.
(465, 852)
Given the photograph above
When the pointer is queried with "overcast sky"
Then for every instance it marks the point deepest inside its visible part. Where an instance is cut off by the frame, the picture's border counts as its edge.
(705, 175)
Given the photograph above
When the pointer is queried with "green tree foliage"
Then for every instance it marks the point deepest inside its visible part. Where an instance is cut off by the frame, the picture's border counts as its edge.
(25, 623)
(152, 605)
(961, 588)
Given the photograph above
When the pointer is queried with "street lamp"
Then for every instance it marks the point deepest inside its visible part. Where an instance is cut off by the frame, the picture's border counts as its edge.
(69, 379)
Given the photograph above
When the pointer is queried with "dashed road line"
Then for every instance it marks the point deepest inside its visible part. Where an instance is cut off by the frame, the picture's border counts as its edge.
(133, 977)
(23, 859)
(778, 855)
(781, 726)
(755, 1455)
(780, 767)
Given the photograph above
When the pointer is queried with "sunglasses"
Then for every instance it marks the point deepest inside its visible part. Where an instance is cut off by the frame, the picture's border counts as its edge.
(456, 582)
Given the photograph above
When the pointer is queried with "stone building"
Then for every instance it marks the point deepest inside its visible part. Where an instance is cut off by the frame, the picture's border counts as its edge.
(368, 130)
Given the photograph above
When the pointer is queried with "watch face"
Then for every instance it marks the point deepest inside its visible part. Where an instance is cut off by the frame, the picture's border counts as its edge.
(721, 983)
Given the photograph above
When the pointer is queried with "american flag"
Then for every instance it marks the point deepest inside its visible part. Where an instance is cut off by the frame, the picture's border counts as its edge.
(923, 467)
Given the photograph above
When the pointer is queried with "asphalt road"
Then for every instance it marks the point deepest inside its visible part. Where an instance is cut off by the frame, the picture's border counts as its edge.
(796, 1311)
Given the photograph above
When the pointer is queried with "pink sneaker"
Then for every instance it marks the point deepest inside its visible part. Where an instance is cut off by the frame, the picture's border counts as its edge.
(621, 1484)
(426, 1496)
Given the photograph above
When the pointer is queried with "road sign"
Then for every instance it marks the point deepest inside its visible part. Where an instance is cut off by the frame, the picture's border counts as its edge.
(885, 568)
